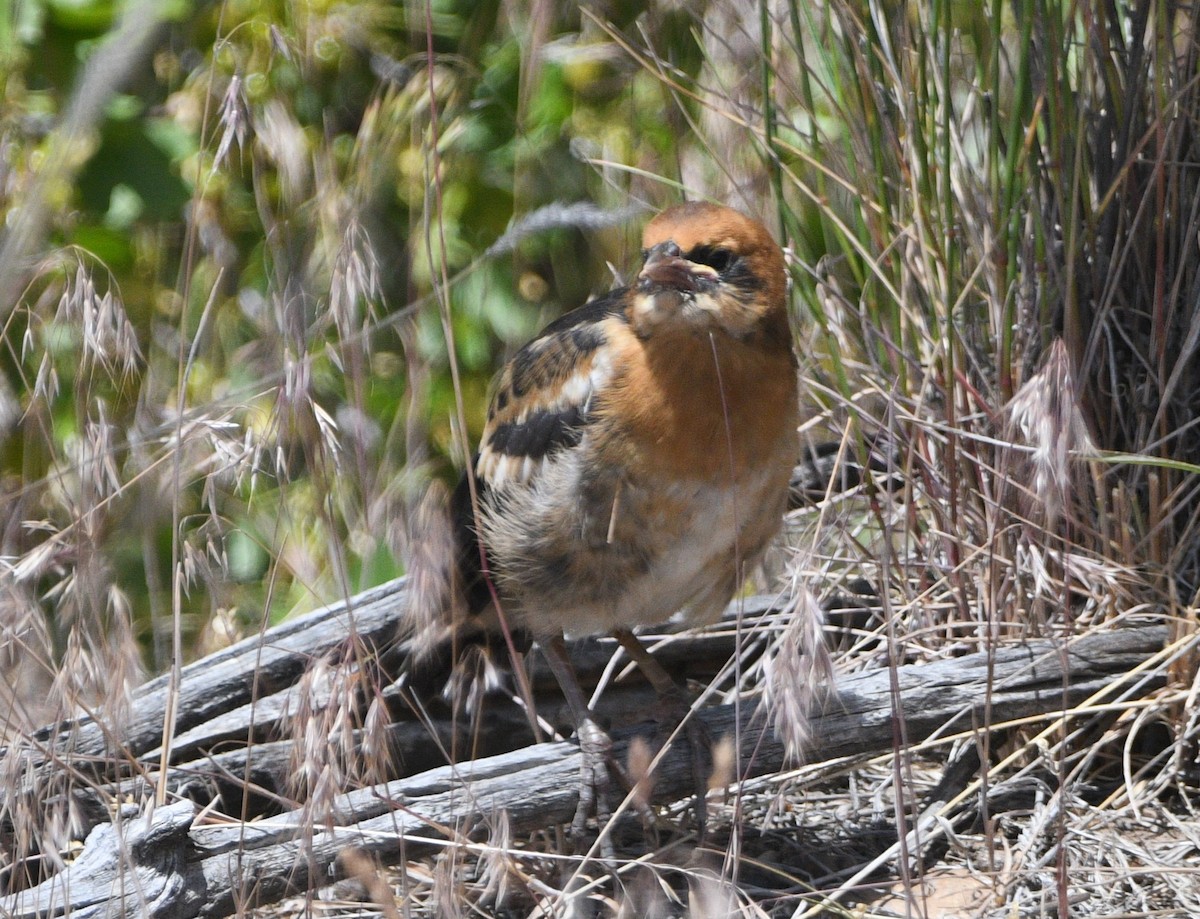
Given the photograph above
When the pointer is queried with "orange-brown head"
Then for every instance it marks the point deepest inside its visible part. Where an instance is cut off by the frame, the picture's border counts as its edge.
(710, 267)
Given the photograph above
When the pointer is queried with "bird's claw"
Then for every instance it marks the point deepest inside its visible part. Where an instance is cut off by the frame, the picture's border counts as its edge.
(595, 781)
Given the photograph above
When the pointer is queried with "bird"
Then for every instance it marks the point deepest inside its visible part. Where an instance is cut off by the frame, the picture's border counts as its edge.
(636, 456)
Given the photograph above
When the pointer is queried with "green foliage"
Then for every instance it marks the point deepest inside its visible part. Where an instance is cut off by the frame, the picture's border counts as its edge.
(263, 224)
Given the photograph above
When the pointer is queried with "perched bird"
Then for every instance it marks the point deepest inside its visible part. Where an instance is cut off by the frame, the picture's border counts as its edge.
(637, 453)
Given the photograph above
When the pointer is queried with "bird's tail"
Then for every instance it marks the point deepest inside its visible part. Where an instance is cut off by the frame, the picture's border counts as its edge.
(442, 637)
(436, 599)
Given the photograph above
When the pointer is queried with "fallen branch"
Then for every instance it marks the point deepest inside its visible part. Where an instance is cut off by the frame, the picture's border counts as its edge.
(166, 864)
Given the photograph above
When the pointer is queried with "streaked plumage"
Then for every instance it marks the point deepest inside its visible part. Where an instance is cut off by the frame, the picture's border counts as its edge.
(636, 458)
(637, 453)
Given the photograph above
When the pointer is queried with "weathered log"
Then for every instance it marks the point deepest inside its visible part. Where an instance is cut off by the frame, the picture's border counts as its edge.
(221, 714)
(256, 667)
(108, 756)
(213, 870)
(247, 687)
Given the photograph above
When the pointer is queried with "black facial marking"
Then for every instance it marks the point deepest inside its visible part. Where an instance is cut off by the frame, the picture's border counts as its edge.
(715, 257)
(740, 276)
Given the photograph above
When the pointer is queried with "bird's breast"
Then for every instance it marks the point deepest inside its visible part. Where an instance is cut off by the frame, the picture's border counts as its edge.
(698, 406)
(587, 549)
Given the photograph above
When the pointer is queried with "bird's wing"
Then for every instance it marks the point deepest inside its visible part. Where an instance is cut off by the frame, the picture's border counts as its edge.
(544, 394)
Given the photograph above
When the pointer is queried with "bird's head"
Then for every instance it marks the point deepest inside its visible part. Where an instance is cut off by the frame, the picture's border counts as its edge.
(708, 268)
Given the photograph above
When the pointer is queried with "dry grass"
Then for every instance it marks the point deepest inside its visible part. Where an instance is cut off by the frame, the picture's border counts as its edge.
(991, 225)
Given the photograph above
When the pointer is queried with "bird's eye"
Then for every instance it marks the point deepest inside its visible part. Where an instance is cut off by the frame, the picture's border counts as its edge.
(714, 257)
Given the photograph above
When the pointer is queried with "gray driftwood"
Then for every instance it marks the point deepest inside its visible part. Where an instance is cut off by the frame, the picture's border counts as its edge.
(167, 863)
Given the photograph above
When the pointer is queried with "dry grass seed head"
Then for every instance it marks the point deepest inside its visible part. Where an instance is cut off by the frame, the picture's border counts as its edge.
(365, 870)
(46, 386)
(310, 728)
(496, 868)
(646, 896)
(1045, 414)
(710, 897)
(799, 671)
(123, 657)
(283, 140)
(234, 120)
(107, 338)
(473, 676)
(90, 478)
(449, 892)
(332, 749)
(355, 283)
(26, 662)
(724, 758)
(638, 762)
(377, 764)
(219, 449)
(330, 440)
(41, 807)
(101, 661)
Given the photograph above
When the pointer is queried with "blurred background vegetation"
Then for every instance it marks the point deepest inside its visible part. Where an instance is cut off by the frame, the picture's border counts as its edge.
(234, 254)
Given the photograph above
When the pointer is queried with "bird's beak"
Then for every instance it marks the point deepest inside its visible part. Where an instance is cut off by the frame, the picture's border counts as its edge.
(666, 267)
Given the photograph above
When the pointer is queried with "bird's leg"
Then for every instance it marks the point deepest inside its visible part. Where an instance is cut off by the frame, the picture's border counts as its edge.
(663, 683)
(594, 744)
(676, 702)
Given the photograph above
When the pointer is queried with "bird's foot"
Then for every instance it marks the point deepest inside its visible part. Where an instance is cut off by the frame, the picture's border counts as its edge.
(600, 771)
(595, 783)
